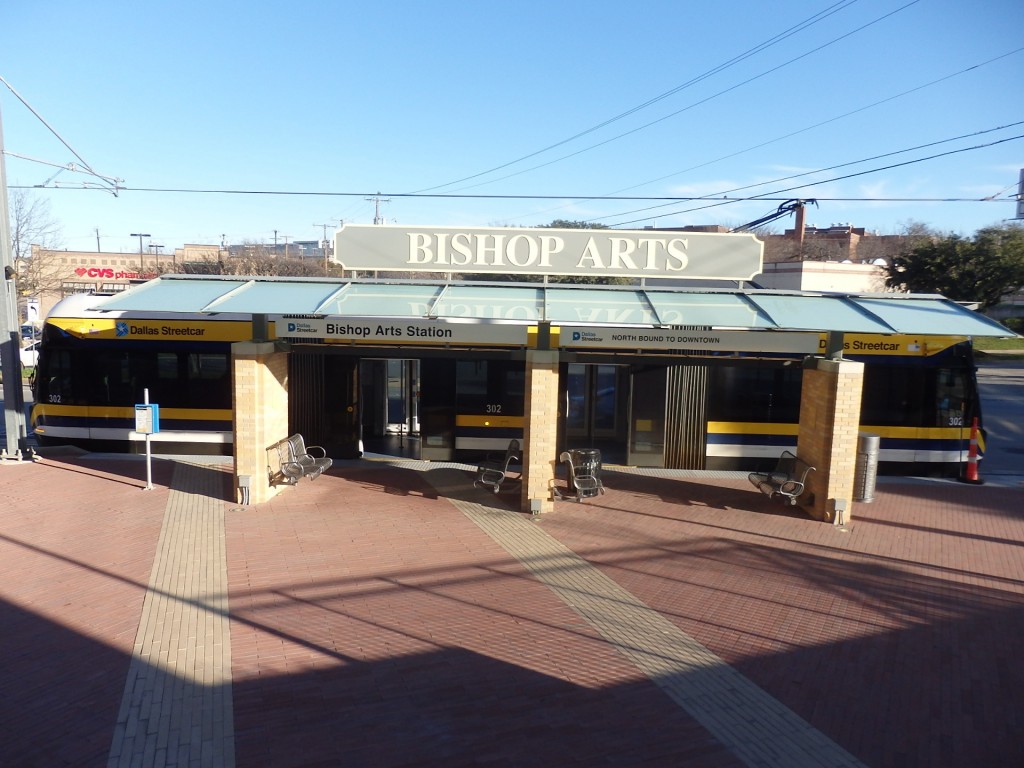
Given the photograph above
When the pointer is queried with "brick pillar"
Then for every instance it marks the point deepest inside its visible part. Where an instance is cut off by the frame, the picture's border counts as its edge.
(540, 436)
(827, 440)
(260, 407)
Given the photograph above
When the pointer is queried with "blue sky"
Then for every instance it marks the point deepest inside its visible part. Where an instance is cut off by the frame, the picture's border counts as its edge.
(491, 103)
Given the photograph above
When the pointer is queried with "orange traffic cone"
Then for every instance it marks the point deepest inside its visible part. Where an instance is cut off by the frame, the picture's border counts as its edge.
(971, 471)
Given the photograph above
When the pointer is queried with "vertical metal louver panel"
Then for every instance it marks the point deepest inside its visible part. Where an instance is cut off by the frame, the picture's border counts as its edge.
(686, 417)
(307, 413)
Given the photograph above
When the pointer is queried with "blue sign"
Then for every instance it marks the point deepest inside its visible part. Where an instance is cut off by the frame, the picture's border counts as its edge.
(147, 418)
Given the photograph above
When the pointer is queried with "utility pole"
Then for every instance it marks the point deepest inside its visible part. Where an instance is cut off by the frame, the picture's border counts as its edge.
(323, 242)
(98, 240)
(142, 266)
(377, 199)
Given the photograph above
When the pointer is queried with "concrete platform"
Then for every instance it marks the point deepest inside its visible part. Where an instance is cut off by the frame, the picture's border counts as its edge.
(389, 614)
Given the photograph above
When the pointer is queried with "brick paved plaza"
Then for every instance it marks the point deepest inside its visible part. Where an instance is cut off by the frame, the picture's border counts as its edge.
(389, 614)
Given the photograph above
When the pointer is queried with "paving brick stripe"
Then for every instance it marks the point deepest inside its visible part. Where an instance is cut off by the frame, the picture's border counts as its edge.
(177, 707)
(756, 727)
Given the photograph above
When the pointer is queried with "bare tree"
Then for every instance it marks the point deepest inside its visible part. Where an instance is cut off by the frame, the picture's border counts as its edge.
(31, 224)
(257, 260)
(34, 235)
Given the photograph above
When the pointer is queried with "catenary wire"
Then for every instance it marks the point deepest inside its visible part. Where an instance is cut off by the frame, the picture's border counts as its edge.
(718, 198)
(112, 183)
(824, 122)
(459, 196)
(806, 23)
(837, 178)
(801, 130)
(679, 111)
(840, 165)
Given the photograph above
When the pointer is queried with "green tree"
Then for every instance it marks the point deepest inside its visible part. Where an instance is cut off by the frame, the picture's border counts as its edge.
(567, 224)
(984, 268)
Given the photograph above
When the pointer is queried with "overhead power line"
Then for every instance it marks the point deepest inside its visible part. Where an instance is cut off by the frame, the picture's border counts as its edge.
(717, 195)
(664, 117)
(808, 22)
(716, 199)
(840, 178)
(797, 132)
(459, 196)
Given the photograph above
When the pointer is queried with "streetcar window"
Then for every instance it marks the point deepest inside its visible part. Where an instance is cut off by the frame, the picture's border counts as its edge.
(490, 387)
(895, 396)
(755, 393)
(167, 366)
(471, 378)
(58, 383)
(208, 381)
(951, 395)
(515, 383)
(207, 366)
(113, 377)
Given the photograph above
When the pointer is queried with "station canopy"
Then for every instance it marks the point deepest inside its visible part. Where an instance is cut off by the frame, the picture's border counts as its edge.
(640, 306)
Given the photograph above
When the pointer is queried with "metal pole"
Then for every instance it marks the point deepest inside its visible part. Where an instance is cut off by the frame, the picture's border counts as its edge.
(149, 453)
(142, 266)
(10, 337)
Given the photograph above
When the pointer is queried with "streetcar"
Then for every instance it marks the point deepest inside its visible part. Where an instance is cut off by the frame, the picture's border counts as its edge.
(731, 412)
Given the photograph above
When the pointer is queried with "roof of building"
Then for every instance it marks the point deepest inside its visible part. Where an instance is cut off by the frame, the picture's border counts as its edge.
(529, 303)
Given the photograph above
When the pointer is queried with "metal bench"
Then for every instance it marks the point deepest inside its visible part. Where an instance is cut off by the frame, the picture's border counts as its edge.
(297, 460)
(584, 477)
(786, 481)
(492, 472)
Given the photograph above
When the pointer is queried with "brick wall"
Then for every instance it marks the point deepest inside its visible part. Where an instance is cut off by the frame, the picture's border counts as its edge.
(540, 449)
(260, 404)
(829, 428)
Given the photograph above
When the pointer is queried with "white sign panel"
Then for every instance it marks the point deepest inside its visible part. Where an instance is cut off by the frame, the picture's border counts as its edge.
(602, 337)
(147, 418)
(400, 331)
(1020, 196)
(535, 251)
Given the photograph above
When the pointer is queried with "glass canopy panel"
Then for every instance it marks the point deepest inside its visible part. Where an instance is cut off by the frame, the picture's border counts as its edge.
(267, 297)
(569, 305)
(582, 306)
(382, 300)
(719, 310)
(817, 313)
(932, 316)
(170, 295)
(487, 302)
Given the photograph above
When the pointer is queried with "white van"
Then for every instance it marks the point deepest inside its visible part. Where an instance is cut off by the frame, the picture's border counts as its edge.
(30, 354)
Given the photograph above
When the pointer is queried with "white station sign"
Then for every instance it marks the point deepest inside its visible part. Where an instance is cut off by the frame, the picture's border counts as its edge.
(604, 337)
(539, 251)
(400, 330)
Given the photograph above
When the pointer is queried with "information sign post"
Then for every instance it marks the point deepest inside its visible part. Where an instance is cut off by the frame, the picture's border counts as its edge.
(147, 422)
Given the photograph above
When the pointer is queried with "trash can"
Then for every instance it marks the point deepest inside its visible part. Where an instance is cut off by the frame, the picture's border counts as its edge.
(866, 472)
(587, 462)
